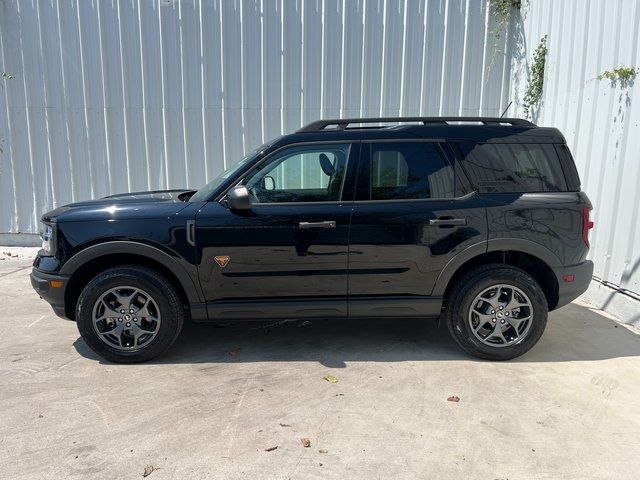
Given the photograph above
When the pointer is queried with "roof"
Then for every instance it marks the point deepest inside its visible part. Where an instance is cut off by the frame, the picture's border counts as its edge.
(474, 129)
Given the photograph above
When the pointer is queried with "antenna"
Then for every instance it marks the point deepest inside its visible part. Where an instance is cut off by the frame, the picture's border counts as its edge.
(505, 110)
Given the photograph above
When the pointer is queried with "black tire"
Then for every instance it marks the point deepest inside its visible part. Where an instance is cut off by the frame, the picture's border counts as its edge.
(158, 287)
(471, 285)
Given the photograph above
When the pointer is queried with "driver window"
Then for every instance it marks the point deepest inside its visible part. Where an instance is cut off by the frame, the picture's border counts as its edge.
(313, 173)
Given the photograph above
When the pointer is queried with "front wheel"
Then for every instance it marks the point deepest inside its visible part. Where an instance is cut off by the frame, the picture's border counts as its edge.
(129, 314)
(496, 312)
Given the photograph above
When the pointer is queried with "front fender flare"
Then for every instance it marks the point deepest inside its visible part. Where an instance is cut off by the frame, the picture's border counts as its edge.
(188, 280)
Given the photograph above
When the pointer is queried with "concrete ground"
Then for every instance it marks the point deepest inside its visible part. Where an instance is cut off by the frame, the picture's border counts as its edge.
(222, 397)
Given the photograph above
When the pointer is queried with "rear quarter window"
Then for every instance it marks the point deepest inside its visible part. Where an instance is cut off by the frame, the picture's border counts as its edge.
(508, 168)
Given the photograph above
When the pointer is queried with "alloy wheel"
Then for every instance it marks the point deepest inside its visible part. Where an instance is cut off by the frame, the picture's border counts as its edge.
(126, 318)
(501, 315)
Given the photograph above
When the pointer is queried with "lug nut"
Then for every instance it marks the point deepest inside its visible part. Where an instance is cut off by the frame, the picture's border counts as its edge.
(131, 310)
(135, 319)
(493, 320)
(493, 311)
(128, 324)
(501, 321)
(122, 311)
(506, 314)
(501, 308)
(119, 319)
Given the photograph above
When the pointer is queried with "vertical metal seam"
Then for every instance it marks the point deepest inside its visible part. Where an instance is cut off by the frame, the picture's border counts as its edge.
(403, 76)
(384, 56)
(223, 85)
(444, 57)
(65, 103)
(464, 58)
(143, 90)
(32, 221)
(124, 101)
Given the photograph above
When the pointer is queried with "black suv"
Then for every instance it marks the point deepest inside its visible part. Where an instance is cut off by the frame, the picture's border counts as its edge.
(477, 221)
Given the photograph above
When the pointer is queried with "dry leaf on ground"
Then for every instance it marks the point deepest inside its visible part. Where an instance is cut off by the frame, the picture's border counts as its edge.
(271, 449)
(306, 443)
(331, 378)
(453, 399)
(149, 469)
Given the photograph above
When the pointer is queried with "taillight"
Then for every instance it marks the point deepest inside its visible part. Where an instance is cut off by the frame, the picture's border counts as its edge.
(587, 224)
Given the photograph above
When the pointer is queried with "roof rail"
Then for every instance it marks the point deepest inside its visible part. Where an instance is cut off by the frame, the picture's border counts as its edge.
(343, 123)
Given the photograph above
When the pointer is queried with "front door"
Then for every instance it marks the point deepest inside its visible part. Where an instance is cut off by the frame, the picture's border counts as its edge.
(408, 222)
(287, 256)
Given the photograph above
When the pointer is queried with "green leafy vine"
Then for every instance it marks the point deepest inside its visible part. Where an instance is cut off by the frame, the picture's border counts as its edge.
(533, 94)
(501, 11)
(624, 75)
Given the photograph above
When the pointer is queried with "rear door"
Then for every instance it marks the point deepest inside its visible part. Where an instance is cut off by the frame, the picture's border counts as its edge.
(412, 215)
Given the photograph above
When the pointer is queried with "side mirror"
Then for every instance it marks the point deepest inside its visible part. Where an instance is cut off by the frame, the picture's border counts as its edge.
(238, 198)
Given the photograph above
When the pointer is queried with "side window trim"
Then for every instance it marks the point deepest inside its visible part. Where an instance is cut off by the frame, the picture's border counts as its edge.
(464, 148)
(363, 177)
(355, 147)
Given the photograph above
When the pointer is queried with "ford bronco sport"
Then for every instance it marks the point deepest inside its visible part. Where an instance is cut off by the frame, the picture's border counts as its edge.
(479, 222)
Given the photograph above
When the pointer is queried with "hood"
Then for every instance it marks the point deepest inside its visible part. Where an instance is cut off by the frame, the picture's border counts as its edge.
(136, 205)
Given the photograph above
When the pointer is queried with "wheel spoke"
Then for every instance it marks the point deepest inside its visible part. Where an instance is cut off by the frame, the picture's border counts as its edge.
(514, 303)
(517, 322)
(483, 319)
(138, 332)
(494, 300)
(109, 312)
(497, 332)
(114, 332)
(125, 300)
(143, 311)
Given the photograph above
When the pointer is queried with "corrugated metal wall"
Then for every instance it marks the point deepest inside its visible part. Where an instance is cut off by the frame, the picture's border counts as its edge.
(112, 96)
(600, 120)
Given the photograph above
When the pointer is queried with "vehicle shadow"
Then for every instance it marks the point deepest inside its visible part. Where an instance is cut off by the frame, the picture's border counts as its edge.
(574, 333)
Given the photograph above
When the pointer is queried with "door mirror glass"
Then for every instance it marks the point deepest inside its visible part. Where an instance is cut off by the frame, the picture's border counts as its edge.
(238, 198)
(268, 183)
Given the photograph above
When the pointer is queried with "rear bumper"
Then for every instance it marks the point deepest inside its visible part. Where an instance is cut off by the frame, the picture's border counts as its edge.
(53, 294)
(570, 290)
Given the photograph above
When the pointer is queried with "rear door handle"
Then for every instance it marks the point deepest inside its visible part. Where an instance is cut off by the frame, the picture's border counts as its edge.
(308, 225)
(447, 222)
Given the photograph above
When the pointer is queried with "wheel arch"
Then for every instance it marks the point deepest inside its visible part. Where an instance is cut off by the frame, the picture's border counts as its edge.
(89, 262)
(531, 257)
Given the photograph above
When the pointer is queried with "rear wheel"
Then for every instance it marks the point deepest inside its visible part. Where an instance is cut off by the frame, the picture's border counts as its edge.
(496, 312)
(129, 314)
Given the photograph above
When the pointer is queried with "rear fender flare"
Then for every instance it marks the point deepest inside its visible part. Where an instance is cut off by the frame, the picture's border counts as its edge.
(494, 245)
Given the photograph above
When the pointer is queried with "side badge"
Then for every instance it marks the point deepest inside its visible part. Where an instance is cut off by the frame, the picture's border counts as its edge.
(222, 260)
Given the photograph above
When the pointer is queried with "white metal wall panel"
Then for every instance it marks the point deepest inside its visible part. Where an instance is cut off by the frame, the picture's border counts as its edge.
(122, 95)
(600, 121)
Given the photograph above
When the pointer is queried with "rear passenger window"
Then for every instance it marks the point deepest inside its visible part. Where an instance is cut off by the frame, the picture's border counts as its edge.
(408, 170)
(498, 168)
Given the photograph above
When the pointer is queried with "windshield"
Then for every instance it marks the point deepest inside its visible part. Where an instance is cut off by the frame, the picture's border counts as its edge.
(205, 192)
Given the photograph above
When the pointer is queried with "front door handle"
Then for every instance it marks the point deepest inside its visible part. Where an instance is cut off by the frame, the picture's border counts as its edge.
(447, 222)
(308, 225)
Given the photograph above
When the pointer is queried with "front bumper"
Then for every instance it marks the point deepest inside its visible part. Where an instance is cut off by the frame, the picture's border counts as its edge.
(570, 290)
(51, 287)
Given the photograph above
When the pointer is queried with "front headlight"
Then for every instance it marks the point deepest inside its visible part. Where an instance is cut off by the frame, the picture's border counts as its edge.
(48, 235)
